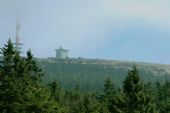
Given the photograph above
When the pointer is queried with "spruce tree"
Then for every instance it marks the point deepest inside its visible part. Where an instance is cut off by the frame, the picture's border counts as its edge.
(164, 98)
(90, 104)
(108, 88)
(33, 69)
(109, 93)
(6, 65)
(136, 99)
(21, 88)
(56, 91)
(57, 95)
(7, 95)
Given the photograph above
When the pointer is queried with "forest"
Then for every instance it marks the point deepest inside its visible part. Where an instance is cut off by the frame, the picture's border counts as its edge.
(23, 88)
(90, 74)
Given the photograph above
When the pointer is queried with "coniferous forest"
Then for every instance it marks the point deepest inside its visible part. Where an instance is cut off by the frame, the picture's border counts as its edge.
(23, 90)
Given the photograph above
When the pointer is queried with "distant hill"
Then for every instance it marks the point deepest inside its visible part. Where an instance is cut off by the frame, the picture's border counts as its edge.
(90, 74)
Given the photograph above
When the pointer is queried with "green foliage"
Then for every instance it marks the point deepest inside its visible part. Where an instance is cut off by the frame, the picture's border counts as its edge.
(109, 93)
(137, 100)
(33, 69)
(163, 102)
(90, 104)
(23, 91)
(19, 93)
(108, 88)
(90, 74)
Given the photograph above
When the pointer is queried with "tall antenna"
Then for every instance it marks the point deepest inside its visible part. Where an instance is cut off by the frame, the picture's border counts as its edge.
(18, 44)
(17, 32)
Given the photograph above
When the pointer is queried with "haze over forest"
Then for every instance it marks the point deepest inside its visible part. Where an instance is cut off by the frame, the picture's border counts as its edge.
(108, 29)
(119, 59)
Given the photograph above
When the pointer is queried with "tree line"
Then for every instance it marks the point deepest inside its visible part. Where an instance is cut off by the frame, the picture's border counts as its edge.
(22, 90)
(90, 76)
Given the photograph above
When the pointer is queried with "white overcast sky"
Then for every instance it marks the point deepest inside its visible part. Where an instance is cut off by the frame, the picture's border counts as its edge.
(135, 30)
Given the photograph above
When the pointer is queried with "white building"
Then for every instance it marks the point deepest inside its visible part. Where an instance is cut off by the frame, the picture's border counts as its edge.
(61, 53)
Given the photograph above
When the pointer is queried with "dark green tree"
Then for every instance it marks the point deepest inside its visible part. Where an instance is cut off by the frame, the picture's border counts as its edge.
(137, 100)
(57, 95)
(90, 104)
(56, 91)
(108, 88)
(7, 64)
(7, 94)
(20, 92)
(109, 93)
(164, 98)
(33, 69)
(75, 100)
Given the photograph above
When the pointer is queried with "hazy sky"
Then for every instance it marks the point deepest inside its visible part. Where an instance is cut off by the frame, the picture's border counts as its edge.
(135, 30)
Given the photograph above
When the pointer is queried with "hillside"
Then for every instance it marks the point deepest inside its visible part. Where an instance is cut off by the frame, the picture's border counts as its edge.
(90, 74)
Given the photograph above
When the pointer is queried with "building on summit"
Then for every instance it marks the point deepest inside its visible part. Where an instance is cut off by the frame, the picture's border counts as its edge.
(61, 53)
(18, 45)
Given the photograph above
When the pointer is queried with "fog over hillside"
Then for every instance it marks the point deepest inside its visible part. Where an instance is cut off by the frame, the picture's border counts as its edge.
(91, 73)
